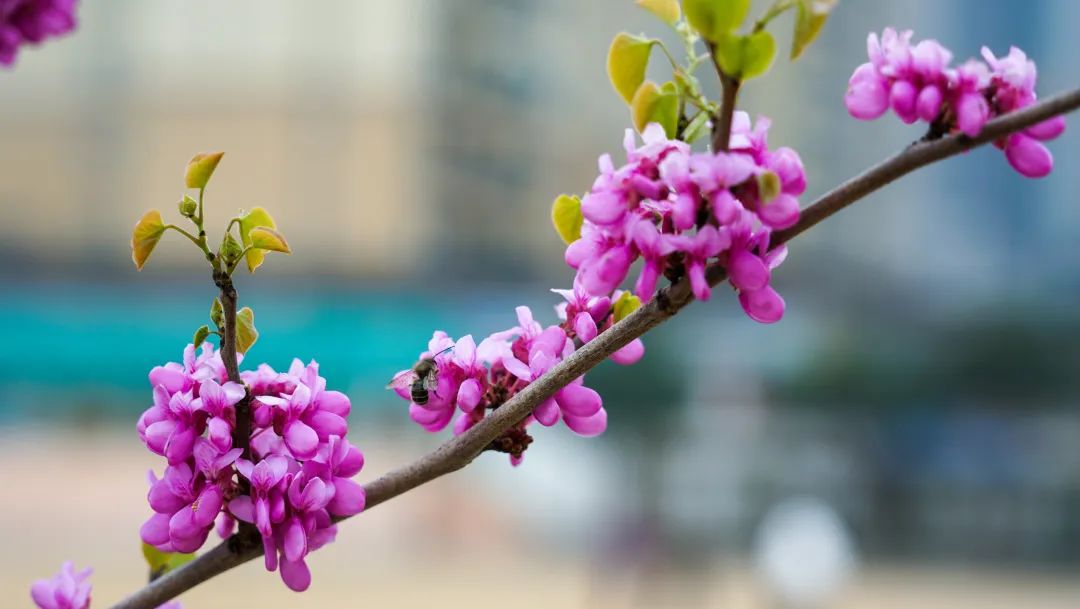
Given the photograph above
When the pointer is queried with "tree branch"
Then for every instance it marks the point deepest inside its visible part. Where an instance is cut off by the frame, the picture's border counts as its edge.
(247, 536)
(721, 135)
(461, 450)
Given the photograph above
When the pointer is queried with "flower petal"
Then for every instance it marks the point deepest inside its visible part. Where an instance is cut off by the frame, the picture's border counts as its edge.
(587, 426)
(349, 498)
(547, 413)
(578, 400)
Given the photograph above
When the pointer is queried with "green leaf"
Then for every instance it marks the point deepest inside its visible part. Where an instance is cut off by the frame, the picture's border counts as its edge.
(653, 104)
(200, 336)
(230, 249)
(769, 186)
(567, 218)
(715, 18)
(666, 10)
(266, 238)
(201, 167)
(624, 305)
(162, 562)
(744, 57)
(697, 127)
(257, 217)
(217, 314)
(145, 237)
(626, 62)
(246, 334)
(811, 18)
(759, 50)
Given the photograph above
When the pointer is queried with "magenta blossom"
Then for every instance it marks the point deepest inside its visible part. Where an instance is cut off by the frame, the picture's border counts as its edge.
(297, 479)
(675, 209)
(916, 81)
(31, 22)
(477, 379)
(70, 590)
(65, 590)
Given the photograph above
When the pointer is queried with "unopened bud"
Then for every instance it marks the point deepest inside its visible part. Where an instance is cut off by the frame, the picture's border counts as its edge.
(188, 207)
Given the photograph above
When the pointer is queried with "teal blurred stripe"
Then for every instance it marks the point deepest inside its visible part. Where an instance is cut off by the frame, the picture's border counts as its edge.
(90, 345)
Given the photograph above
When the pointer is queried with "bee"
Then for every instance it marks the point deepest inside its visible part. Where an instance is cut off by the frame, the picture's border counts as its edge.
(421, 378)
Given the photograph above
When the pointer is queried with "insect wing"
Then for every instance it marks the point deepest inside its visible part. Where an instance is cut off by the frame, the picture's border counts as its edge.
(431, 381)
(403, 380)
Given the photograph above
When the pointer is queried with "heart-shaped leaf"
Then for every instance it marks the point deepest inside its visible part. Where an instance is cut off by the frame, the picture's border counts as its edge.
(162, 562)
(653, 104)
(759, 50)
(145, 237)
(745, 57)
(200, 336)
(715, 18)
(666, 10)
(201, 167)
(266, 238)
(808, 23)
(246, 334)
(567, 217)
(626, 62)
(624, 305)
(697, 127)
(257, 217)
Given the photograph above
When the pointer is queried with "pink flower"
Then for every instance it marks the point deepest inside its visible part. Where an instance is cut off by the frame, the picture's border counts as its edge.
(65, 590)
(297, 479)
(917, 82)
(31, 22)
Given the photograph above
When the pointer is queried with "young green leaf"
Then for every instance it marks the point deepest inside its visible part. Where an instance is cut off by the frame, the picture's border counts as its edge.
(744, 57)
(253, 219)
(266, 238)
(217, 314)
(246, 334)
(145, 237)
(715, 18)
(808, 23)
(759, 50)
(769, 186)
(697, 127)
(200, 335)
(567, 218)
(201, 167)
(653, 104)
(626, 304)
(230, 249)
(161, 563)
(626, 62)
(666, 10)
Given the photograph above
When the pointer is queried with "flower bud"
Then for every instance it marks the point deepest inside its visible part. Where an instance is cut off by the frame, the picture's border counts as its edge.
(188, 207)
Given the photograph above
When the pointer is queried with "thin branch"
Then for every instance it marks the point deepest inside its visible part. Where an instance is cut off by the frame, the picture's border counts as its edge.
(247, 537)
(461, 450)
(721, 136)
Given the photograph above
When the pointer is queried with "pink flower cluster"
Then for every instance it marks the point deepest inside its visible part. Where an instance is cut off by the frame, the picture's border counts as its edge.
(475, 379)
(915, 80)
(69, 590)
(30, 22)
(291, 486)
(679, 210)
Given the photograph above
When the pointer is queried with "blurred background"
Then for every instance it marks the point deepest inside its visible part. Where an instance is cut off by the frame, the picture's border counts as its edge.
(905, 437)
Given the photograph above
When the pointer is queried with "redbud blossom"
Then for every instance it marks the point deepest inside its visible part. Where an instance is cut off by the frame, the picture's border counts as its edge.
(298, 475)
(918, 84)
(31, 22)
(681, 211)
